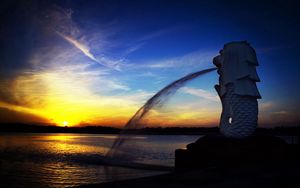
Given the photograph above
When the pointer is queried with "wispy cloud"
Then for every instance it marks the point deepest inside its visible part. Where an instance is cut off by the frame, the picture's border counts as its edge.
(79, 46)
(196, 58)
(86, 51)
(161, 32)
(282, 112)
(200, 93)
(139, 42)
(61, 22)
(266, 106)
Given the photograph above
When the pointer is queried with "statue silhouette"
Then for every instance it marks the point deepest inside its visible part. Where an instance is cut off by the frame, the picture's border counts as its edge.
(237, 89)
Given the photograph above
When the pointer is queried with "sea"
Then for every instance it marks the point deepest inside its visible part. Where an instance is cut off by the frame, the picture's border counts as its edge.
(68, 160)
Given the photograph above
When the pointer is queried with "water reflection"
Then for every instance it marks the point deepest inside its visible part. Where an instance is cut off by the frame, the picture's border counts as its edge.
(60, 160)
(56, 143)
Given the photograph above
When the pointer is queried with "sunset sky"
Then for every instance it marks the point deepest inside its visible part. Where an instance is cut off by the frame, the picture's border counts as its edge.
(96, 62)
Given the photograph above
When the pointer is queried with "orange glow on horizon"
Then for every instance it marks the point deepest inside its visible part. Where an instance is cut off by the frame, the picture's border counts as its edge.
(67, 101)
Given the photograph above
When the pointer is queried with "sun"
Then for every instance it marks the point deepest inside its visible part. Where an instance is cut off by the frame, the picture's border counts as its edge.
(65, 123)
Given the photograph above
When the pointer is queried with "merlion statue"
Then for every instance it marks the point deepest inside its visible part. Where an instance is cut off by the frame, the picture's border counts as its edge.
(237, 89)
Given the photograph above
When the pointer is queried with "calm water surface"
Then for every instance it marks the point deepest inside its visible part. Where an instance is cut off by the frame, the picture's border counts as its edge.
(64, 160)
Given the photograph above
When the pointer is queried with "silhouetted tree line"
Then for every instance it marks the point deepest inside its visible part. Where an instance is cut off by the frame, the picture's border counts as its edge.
(27, 128)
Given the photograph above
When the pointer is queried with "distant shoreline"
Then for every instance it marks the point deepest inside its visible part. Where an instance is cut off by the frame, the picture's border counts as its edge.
(27, 128)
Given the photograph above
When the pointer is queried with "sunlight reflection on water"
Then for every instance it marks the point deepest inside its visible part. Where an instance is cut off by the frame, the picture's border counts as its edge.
(59, 160)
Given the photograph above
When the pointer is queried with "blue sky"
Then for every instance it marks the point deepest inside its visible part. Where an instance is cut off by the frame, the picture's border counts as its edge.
(113, 55)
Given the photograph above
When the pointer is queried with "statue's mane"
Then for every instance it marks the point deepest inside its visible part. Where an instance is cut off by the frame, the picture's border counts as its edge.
(239, 67)
(240, 61)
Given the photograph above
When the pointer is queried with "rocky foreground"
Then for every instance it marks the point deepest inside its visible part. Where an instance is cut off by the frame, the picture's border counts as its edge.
(215, 161)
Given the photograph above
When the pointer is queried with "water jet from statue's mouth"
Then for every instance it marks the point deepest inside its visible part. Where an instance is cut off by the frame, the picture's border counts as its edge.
(156, 101)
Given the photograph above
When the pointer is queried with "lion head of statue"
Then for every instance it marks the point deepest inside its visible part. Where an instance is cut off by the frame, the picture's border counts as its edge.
(237, 65)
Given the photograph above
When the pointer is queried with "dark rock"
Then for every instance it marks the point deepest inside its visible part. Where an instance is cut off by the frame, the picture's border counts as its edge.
(219, 151)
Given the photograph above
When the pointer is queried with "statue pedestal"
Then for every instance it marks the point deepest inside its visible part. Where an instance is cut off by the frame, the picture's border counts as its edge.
(219, 151)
